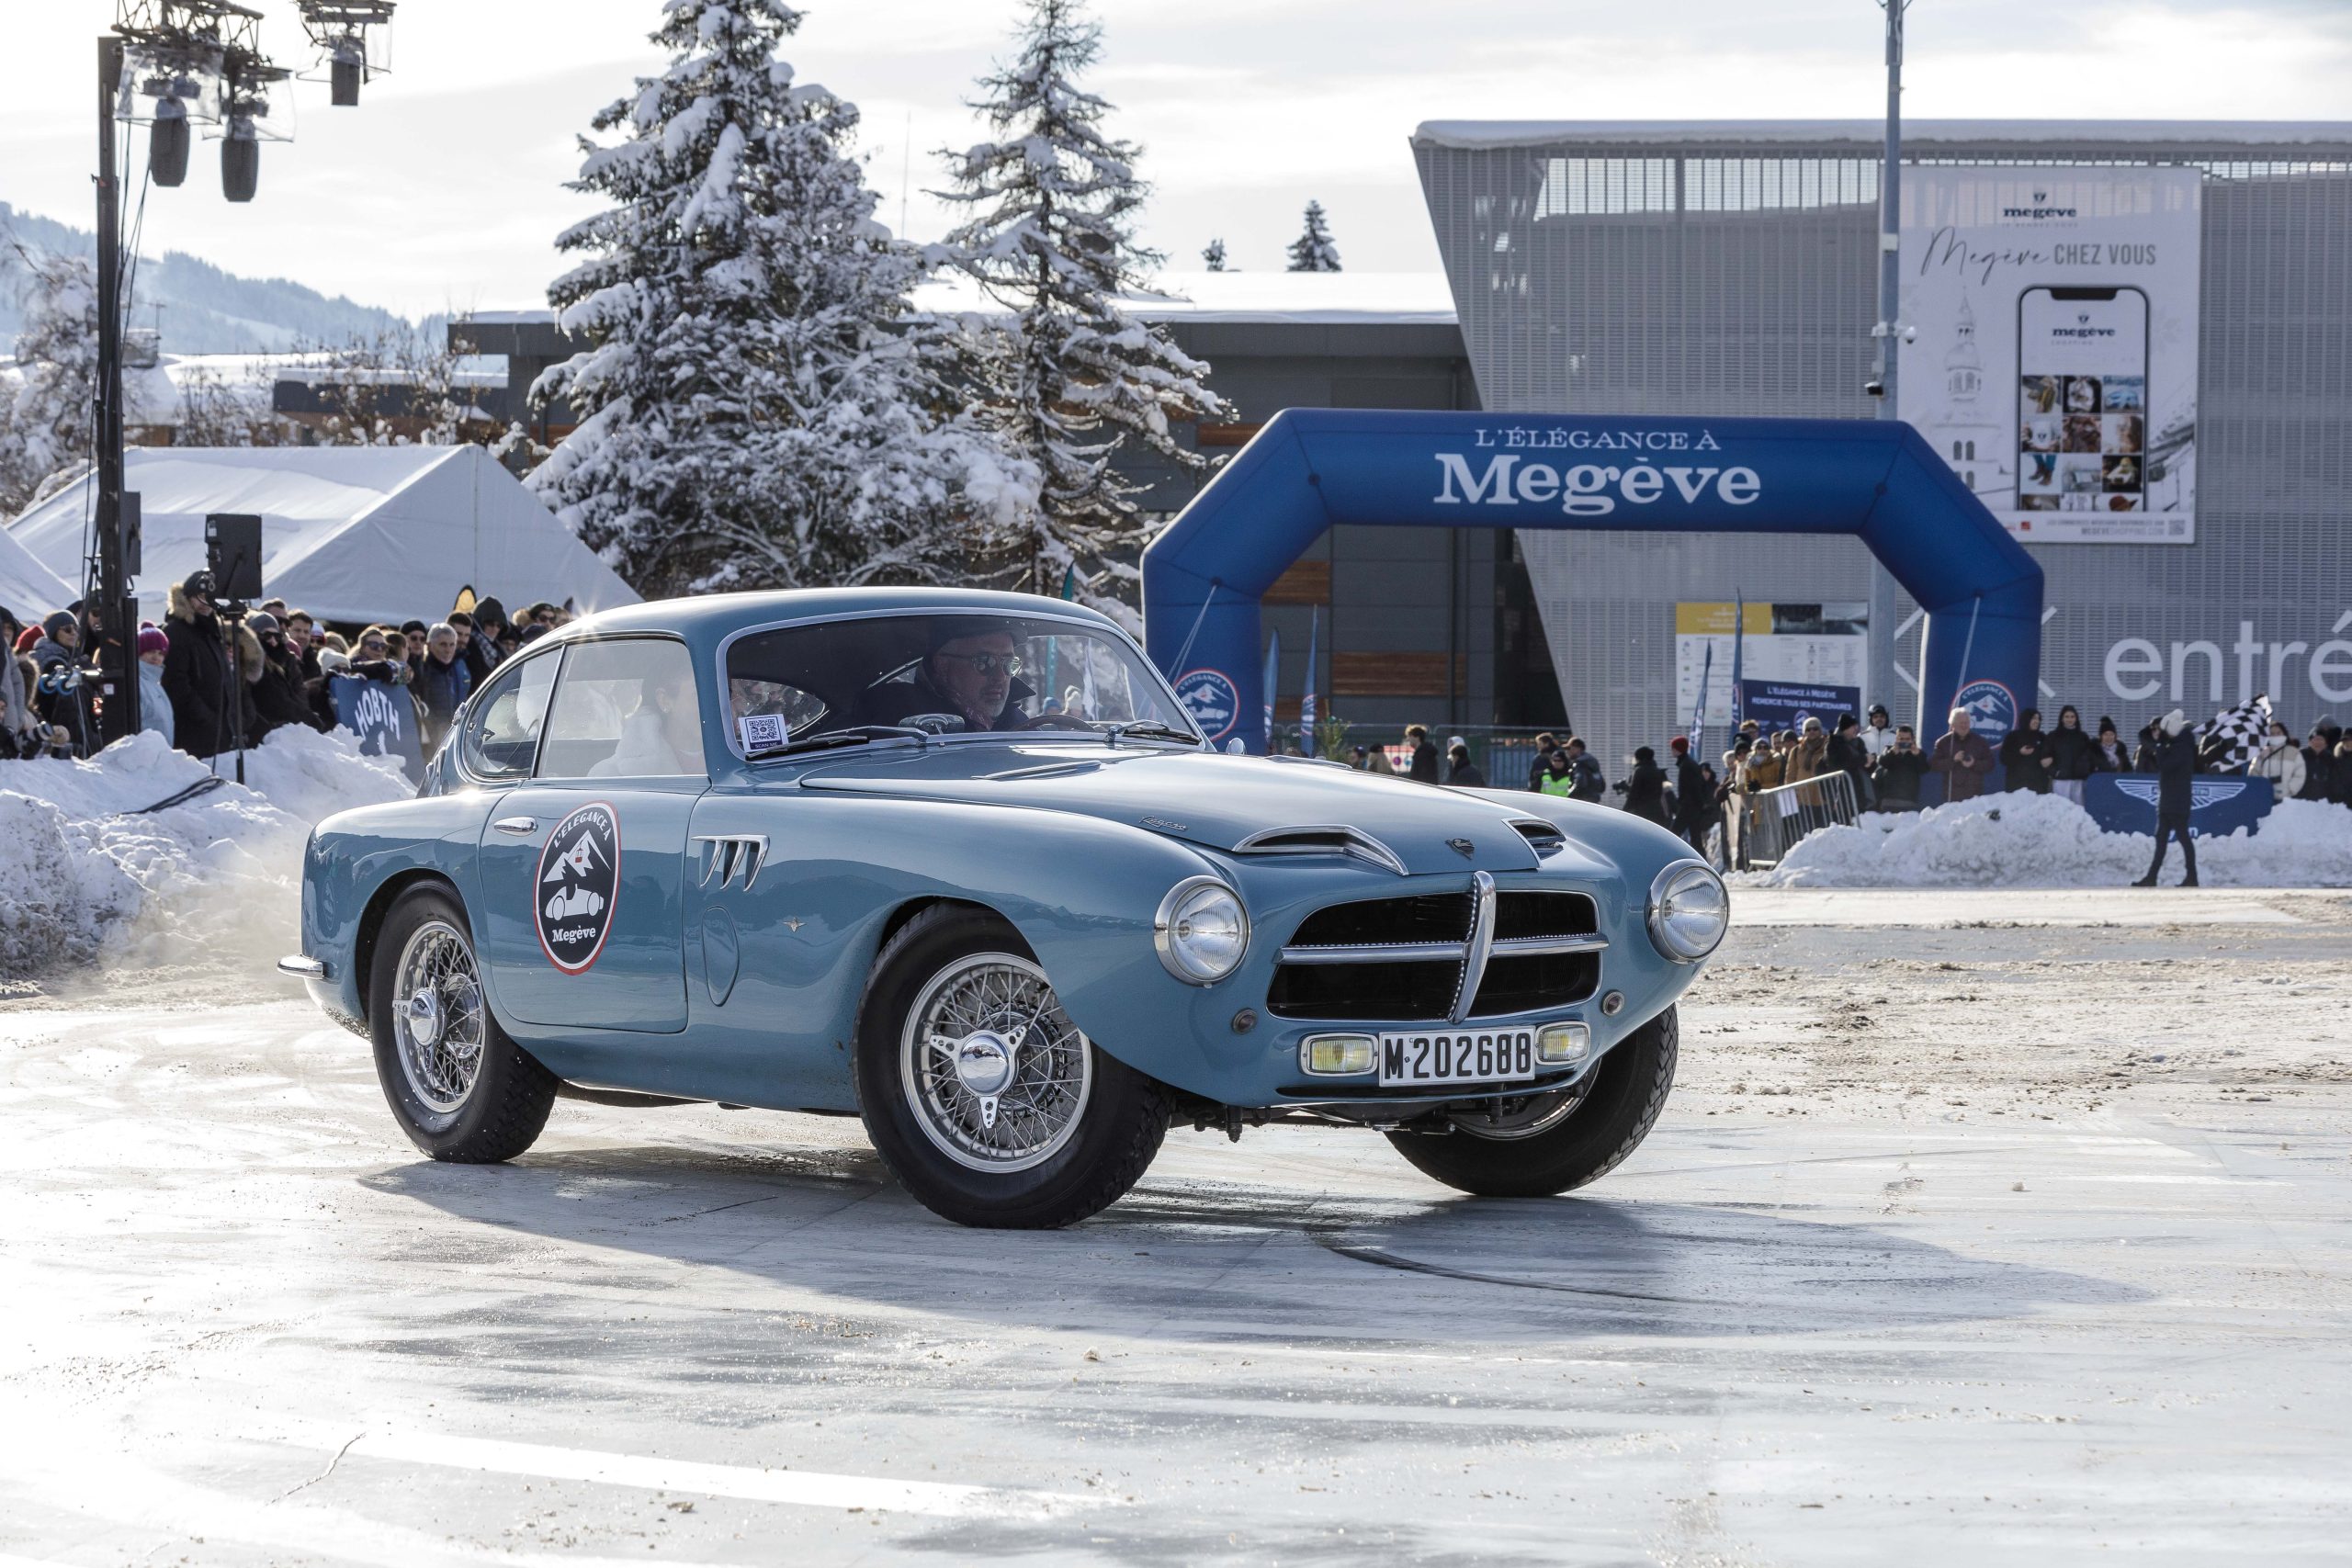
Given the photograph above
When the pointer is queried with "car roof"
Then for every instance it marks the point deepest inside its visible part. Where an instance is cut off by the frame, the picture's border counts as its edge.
(712, 617)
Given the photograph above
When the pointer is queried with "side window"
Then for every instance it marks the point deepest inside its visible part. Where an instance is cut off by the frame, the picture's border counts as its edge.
(501, 737)
(625, 710)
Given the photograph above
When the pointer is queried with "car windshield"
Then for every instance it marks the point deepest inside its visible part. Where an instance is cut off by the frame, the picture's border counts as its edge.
(943, 674)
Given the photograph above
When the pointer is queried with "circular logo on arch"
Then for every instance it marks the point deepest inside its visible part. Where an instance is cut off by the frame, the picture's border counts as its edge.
(1992, 709)
(1209, 696)
(578, 883)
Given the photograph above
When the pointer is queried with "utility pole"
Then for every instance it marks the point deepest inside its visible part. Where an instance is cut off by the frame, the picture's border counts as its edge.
(117, 613)
(1889, 216)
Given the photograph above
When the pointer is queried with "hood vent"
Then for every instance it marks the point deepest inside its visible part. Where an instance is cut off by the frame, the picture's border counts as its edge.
(1541, 837)
(1352, 842)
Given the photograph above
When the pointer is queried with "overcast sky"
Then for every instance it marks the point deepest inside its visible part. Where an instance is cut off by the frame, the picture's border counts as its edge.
(443, 189)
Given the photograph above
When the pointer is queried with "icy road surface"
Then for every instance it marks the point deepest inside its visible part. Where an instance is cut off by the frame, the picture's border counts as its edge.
(1982, 1228)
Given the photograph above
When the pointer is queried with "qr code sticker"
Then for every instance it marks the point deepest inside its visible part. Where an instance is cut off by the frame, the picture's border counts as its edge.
(761, 730)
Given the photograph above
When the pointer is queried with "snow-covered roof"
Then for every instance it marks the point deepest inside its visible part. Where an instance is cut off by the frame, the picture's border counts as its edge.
(1488, 133)
(348, 533)
(27, 589)
(1409, 297)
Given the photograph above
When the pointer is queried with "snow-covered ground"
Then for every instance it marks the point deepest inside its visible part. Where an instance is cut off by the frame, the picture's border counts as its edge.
(2041, 841)
(1981, 1227)
(90, 873)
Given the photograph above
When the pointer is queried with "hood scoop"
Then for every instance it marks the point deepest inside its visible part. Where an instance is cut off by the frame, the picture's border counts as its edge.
(1352, 842)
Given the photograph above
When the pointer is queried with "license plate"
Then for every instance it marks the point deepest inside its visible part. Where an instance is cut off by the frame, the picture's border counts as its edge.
(1479, 1055)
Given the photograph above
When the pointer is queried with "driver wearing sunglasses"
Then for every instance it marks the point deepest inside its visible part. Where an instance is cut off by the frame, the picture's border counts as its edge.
(971, 666)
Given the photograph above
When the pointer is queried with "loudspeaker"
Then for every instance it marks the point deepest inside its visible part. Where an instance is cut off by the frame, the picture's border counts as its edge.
(232, 554)
(240, 167)
(167, 142)
(344, 83)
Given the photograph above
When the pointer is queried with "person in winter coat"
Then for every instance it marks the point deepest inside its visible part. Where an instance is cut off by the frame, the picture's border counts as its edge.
(1645, 791)
(276, 678)
(1900, 773)
(443, 682)
(1462, 772)
(2026, 761)
(1694, 795)
(2343, 796)
(1424, 767)
(1541, 763)
(1878, 733)
(2319, 781)
(1810, 760)
(2071, 753)
(1849, 755)
(1558, 778)
(2109, 754)
(2280, 758)
(22, 733)
(2173, 750)
(1962, 758)
(154, 705)
(61, 697)
(1585, 769)
(207, 709)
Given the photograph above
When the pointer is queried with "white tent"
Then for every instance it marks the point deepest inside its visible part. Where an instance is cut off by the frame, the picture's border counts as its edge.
(27, 589)
(348, 533)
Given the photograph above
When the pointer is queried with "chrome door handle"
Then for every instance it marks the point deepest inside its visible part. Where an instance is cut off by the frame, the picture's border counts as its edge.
(516, 824)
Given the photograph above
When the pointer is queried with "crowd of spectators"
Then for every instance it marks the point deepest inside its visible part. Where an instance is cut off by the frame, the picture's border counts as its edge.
(210, 682)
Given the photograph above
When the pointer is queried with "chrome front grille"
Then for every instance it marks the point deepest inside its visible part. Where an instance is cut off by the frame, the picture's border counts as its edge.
(1441, 958)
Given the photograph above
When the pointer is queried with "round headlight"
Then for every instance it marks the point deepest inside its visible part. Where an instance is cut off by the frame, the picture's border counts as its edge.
(1690, 911)
(1201, 930)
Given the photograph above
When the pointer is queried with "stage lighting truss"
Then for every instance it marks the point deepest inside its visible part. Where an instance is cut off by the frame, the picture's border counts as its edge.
(354, 42)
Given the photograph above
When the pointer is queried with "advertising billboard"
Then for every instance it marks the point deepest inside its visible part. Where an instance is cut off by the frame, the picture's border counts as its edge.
(2055, 365)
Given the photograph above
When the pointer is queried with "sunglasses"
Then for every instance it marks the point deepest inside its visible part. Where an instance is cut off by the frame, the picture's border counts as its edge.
(989, 663)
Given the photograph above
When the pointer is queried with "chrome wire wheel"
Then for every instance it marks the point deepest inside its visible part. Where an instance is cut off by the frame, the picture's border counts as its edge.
(996, 1073)
(437, 1020)
(1522, 1116)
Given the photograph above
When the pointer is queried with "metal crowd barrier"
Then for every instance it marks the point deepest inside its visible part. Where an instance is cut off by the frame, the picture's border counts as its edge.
(1768, 823)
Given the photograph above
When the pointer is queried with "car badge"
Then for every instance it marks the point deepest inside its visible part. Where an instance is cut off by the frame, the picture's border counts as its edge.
(793, 924)
(1461, 847)
(1164, 825)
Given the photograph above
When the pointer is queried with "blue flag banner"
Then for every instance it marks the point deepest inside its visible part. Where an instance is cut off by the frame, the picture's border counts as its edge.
(2218, 804)
(383, 716)
(1274, 675)
(1738, 640)
(1307, 698)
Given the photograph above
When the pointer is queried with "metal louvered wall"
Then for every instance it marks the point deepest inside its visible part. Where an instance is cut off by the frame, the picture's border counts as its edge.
(1691, 272)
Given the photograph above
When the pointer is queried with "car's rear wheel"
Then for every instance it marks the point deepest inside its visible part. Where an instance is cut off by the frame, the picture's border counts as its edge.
(984, 1099)
(1548, 1144)
(458, 1086)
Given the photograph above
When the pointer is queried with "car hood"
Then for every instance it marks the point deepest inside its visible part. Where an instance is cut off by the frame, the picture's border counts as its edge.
(1210, 799)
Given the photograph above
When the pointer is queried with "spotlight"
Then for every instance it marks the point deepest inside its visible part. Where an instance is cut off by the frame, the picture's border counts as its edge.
(240, 161)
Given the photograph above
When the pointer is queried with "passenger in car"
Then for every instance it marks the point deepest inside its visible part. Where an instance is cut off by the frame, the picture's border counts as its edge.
(660, 739)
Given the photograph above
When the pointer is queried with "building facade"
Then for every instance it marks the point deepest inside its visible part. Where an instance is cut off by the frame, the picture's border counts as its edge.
(1731, 269)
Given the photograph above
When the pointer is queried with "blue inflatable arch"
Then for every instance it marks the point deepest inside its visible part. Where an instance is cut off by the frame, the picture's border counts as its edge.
(1310, 468)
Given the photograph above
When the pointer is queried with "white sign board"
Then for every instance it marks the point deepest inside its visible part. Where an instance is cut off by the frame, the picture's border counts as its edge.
(2055, 366)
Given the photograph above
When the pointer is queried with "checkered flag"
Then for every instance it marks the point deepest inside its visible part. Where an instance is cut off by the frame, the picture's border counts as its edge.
(2234, 737)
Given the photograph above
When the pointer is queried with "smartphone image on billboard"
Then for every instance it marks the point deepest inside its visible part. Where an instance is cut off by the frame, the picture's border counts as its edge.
(2081, 399)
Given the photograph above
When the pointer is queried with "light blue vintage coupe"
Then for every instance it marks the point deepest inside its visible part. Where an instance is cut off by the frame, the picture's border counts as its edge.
(961, 864)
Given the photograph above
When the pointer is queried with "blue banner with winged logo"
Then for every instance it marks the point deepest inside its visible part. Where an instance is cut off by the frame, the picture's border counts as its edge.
(2218, 804)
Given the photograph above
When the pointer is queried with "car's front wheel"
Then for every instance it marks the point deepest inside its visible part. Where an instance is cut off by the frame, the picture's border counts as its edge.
(983, 1098)
(1548, 1144)
(458, 1086)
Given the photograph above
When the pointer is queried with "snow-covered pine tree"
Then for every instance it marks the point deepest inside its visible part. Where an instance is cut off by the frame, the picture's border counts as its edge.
(757, 409)
(1313, 250)
(46, 414)
(1069, 379)
(1214, 254)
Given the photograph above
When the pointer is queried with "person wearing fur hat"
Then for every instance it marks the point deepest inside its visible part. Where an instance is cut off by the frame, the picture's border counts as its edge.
(207, 709)
(2171, 755)
(154, 706)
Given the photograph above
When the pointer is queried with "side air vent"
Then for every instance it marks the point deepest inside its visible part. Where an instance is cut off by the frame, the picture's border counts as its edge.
(1352, 842)
(1541, 837)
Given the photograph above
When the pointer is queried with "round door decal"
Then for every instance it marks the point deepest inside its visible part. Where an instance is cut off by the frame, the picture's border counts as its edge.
(579, 881)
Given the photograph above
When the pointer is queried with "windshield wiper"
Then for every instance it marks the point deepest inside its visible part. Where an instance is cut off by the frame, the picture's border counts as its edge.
(1150, 728)
(856, 735)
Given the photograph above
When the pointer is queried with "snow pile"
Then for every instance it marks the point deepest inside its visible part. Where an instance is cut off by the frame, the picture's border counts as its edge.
(2019, 839)
(88, 874)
